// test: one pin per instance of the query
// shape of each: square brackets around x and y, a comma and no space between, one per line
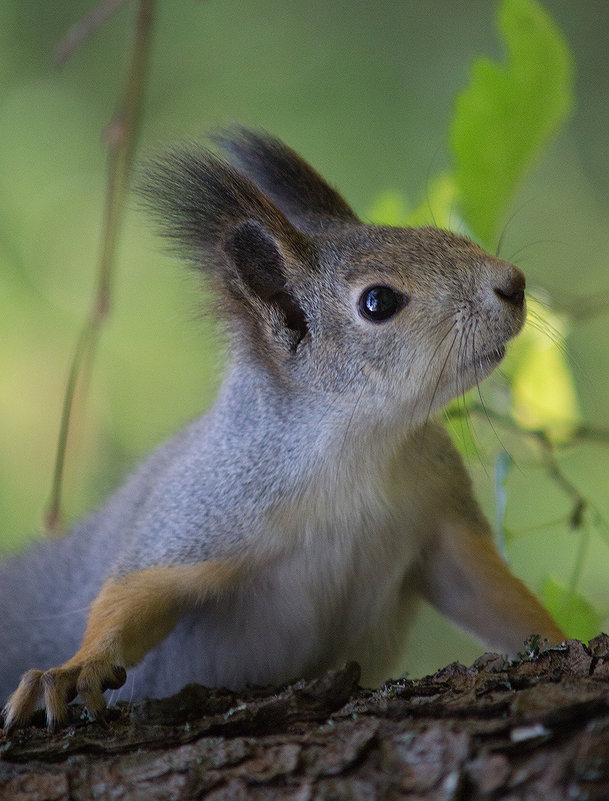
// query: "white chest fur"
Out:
[334,589]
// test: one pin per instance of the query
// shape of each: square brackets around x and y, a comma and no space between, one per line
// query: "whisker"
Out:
[539,323]
[540,296]
[466,418]
[509,221]
[451,211]
[551,333]
[430,362]
[440,321]
[427,183]
[540,318]
[488,417]
[441,373]
[516,253]
[434,393]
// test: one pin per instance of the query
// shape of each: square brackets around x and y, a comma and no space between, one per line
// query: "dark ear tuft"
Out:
[200,199]
[232,232]
[300,192]
[197,197]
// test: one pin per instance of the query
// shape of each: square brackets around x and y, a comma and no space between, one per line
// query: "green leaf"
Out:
[507,113]
[573,613]
[542,385]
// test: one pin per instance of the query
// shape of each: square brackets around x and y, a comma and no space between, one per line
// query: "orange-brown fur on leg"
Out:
[464,577]
[131,615]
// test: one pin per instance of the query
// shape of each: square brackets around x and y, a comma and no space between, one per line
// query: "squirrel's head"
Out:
[403,319]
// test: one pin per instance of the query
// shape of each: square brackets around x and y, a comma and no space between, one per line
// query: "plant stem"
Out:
[121,137]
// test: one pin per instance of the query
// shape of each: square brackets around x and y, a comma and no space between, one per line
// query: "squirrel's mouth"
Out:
[496,355]
[487,360]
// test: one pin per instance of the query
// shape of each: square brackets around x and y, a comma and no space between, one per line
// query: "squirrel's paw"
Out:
[57,687]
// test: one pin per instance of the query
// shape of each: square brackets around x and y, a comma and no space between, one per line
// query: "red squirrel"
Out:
[293,526]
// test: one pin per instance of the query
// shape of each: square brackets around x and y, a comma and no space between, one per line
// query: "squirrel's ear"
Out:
[230,231]
[264,267]
[299,191]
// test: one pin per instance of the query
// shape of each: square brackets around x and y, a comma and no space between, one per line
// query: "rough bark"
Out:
[537,728]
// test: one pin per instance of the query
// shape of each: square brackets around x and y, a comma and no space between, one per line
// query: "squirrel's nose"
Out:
[510,287]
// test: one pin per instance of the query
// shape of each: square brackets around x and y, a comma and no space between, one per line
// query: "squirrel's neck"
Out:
[300,433]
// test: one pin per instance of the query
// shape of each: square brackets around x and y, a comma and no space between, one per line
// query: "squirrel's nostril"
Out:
[515,296]
[511,288]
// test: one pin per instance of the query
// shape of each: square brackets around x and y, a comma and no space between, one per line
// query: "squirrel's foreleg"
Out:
[466,579]
[131,615]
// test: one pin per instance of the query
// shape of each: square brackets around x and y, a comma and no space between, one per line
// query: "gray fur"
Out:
[318,464]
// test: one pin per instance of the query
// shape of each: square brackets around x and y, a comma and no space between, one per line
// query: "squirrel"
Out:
[293,526]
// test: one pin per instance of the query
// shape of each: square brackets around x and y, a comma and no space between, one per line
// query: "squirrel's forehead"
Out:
[396,248]
[407,263]
[356,270]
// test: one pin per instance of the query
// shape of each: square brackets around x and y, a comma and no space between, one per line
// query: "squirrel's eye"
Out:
[379,303]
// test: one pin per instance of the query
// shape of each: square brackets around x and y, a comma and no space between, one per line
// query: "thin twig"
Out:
[581,507]
[578,432]
[84,28]
[578,502]
[121,136]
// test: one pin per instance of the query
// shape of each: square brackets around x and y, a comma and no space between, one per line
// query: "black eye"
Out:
[379,303]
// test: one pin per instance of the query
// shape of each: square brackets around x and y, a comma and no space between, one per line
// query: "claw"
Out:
[22,703]
[59,686]
[94,679]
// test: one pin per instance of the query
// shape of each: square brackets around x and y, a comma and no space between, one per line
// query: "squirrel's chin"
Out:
[479,367]
[492,358]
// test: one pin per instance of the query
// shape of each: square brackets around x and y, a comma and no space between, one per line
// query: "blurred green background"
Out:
[365,91]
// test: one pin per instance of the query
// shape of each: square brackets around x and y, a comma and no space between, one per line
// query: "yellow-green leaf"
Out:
[543,389]
[438,208]
[389,208]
